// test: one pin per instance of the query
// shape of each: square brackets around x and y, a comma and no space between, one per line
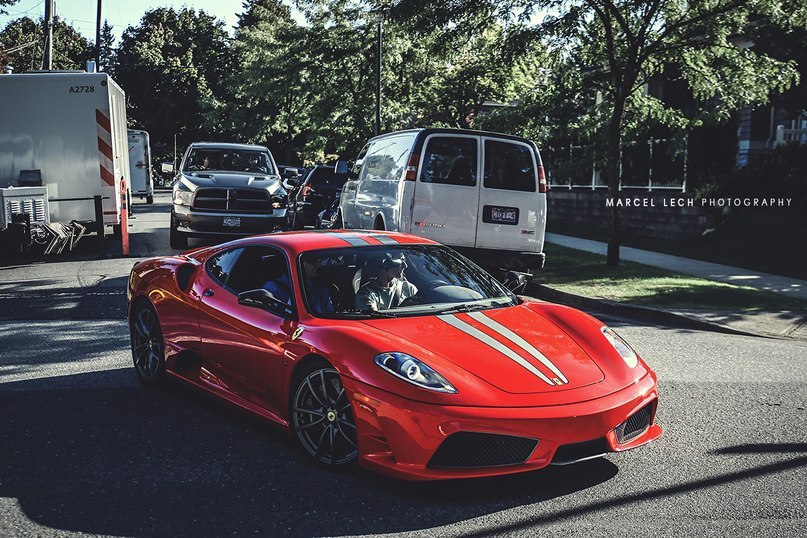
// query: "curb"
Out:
[631,311]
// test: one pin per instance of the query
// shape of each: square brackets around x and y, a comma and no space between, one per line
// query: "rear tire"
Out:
[178,240]
[338,224]
[149,198]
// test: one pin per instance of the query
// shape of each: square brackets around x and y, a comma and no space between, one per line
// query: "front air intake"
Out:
[636,425]
[472,449]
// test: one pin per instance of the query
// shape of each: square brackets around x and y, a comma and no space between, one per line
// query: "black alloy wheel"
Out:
[321,416]
[148,347]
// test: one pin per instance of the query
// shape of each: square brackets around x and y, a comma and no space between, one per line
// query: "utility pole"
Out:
[378,19]
[98,37]
[48,35]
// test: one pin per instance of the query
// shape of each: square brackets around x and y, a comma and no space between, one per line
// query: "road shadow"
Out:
[45,300]
[170,462]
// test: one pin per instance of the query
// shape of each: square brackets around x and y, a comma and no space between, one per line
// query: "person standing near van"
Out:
[389,289]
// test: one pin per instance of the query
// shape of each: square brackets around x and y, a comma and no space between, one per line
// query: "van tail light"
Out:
[541,179]
[412,167]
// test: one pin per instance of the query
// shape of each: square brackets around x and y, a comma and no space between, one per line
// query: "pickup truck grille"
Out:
[233,200]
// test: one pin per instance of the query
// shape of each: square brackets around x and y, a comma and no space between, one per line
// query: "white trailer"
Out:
[66,131]
[142,184]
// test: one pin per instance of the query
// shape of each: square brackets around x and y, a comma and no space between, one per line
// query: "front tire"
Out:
[321,416]
[148,346]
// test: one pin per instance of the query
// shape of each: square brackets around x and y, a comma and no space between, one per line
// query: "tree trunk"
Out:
[612,157]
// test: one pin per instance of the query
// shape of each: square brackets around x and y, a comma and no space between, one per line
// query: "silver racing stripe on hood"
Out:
[470,330]
[519,341]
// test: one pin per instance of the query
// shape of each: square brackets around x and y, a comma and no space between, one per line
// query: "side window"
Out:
[386,158]
[450,160]
[262,267]
[509,166]
[221,265]
[360,160]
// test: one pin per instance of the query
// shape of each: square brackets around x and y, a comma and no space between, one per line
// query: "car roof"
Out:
[302,241]
[227,145]
[424,132]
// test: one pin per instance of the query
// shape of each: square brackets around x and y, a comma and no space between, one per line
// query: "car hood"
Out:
[234,180]
[515,349]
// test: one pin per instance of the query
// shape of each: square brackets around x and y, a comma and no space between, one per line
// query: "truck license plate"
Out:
[232,222]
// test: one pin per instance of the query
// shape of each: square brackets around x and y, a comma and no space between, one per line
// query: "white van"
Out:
[482,193]
[140,165]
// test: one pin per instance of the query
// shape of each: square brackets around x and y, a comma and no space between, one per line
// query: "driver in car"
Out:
[389,289]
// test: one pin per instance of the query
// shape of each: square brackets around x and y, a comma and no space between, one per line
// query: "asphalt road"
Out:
[86,450]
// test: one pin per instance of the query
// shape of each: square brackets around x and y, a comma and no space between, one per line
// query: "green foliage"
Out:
[107,57]
[70,49]
[172,66]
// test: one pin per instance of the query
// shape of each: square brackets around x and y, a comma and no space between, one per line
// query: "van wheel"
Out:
[379,224]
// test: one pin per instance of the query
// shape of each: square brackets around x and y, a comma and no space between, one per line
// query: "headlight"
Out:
[182,195]
[622,347]
[413,371]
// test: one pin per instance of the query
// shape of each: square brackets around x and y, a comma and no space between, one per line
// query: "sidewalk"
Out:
[778,323]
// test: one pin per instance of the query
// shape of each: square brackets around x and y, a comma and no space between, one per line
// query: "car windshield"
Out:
[395,281]
[230,160]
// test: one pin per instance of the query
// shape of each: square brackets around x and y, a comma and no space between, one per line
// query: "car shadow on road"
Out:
[110,457]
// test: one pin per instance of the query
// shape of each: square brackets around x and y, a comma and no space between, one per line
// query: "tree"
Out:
[106,56]
[24,38]
[620,44]
[172,66]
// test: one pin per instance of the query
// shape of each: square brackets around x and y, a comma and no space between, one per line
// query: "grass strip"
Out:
[583,273]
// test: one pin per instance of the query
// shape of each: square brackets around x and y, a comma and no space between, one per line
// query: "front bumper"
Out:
[399,437]
[194,222]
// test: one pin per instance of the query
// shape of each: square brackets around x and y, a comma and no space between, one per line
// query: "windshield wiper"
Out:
[369,313]
[465,307]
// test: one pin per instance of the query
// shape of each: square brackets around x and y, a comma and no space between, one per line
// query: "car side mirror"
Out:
[168,168]
[264,300]
[291,172]
[515,281]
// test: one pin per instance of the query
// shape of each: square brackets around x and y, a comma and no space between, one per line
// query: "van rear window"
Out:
[509,166]
[450,160]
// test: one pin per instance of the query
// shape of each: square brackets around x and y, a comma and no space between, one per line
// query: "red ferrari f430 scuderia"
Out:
[392,351]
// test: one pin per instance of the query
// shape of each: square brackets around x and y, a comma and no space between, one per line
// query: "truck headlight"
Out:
[413,371]
[182,195]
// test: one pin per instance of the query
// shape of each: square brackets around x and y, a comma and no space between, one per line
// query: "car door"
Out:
[512,210]
[446,198]
[347,200]
[243,345]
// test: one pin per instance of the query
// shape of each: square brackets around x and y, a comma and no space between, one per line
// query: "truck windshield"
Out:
[229,160]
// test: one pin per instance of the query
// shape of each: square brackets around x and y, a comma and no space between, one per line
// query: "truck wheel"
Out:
[116,231]
[149,198]
[178,240]
[337,221]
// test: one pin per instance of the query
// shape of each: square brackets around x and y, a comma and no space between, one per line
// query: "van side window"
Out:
[360,160]
[386,158]
[450,160]
[509,166]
